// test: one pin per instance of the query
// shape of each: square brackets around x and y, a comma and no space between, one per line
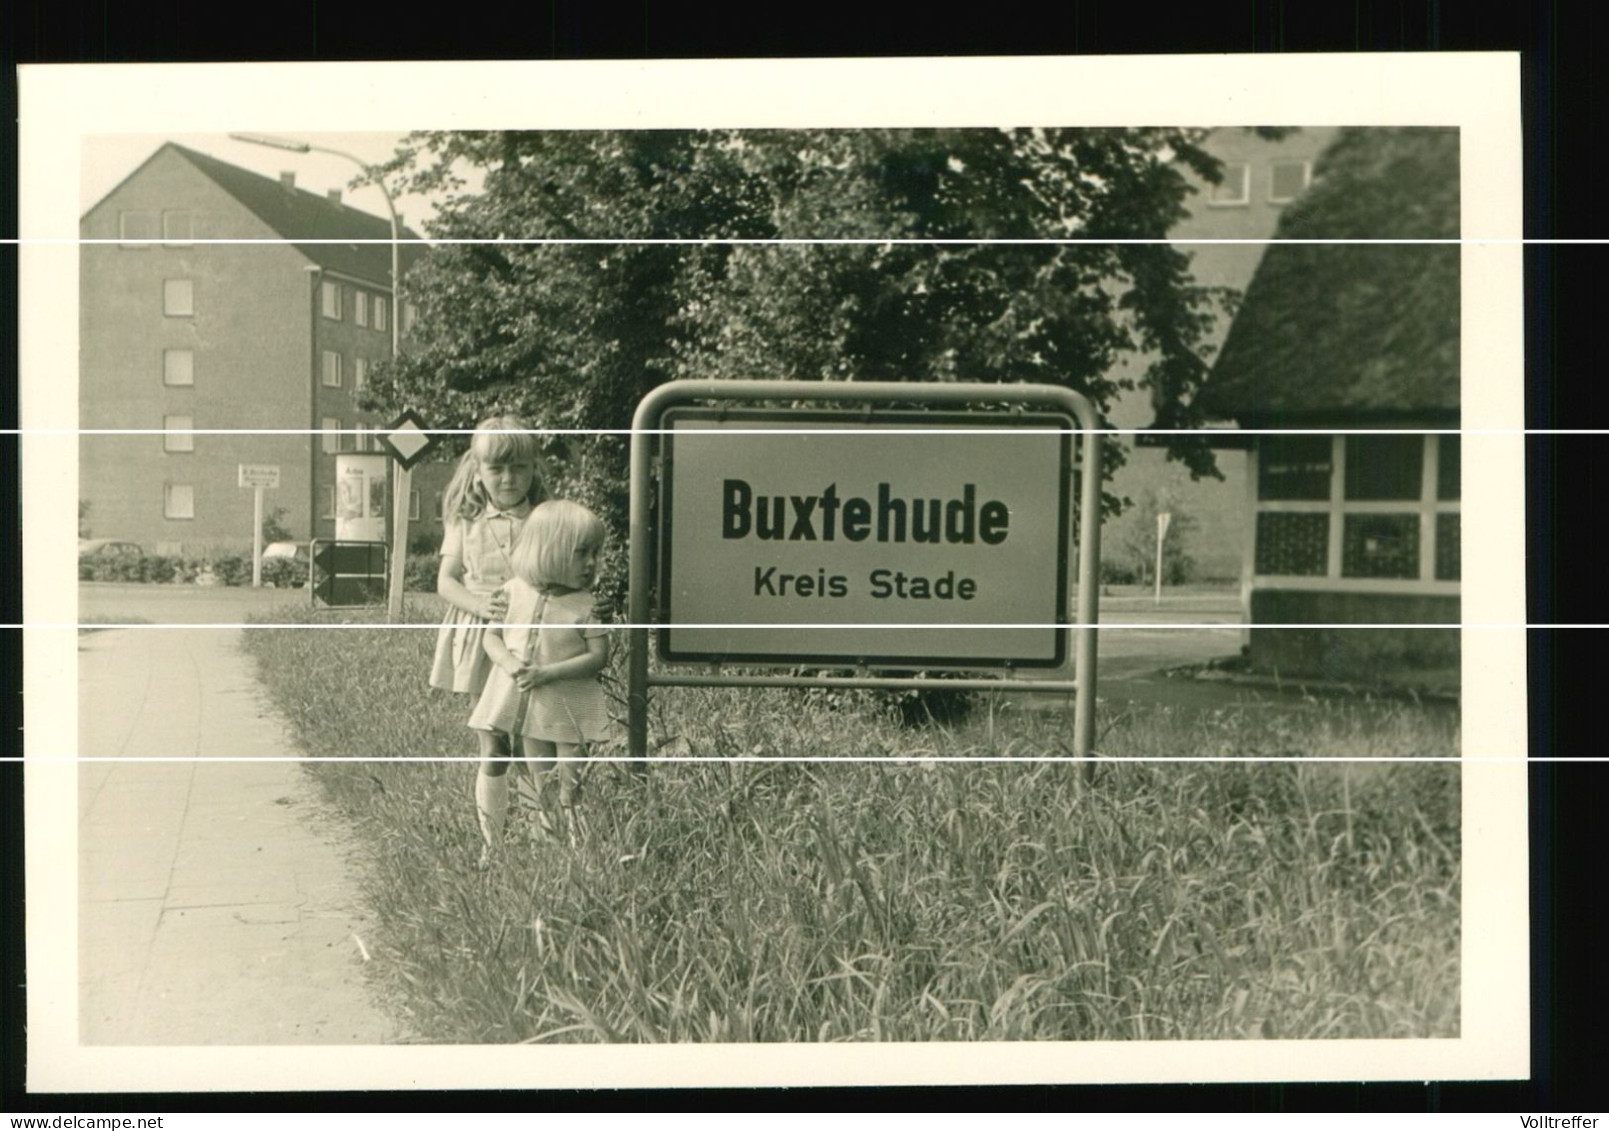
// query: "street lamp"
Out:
[400,477]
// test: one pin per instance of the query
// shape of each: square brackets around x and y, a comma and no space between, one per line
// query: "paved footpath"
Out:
[217,903]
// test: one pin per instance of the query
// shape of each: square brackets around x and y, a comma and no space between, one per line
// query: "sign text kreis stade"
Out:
[827,516]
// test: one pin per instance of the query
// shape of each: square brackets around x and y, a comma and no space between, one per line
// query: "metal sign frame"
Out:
[828,418]
[646,425]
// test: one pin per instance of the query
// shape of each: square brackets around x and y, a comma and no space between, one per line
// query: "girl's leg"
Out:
[539,764]
[491,789]
[569,773]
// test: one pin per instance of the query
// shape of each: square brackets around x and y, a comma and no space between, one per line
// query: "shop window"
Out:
[1293,543]
[1385,468]
[1448,458]
[1380,545]
[1294,468]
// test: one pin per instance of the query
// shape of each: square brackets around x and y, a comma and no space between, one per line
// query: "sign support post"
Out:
[258,476]
[407,438]
[1063,402]
[1162,520]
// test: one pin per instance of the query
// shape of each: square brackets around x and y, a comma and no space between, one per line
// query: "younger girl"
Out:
[485,507]
[549,649]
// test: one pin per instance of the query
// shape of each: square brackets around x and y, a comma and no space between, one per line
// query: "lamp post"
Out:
[400,477]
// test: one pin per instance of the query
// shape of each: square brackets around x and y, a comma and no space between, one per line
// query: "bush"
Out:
[284,573]
[419,572]
[232,569]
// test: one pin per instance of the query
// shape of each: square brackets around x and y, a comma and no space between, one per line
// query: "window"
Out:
[1234,189]
[1361,511]
[380,313]
[178,298]
[1294,467]
[176,229]
[410,315]
[1384,468]
[178,500]
[1287,180]
[360,307]
[328,510]
[413,505]
[330,300]
[138,226]
[438,506]
[330,435]
[331,369]
[360,373]
[361,437]
[178,367]
[176,434]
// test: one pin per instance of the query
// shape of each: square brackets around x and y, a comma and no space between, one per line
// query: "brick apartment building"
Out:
[184,335]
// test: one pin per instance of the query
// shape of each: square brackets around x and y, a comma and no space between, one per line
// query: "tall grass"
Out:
[776,901]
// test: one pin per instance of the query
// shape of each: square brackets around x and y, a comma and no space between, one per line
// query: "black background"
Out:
[1564,140]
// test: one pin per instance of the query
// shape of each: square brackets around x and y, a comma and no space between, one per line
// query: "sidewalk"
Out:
[216,900]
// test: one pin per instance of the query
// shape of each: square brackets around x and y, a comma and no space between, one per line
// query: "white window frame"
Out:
[410,316]
[171,493]
[170,295]
[329,299]
[440,501]
[1214,200]
[167,369]
[1307,179]
[330,435]
[381,314]
[360,374]
[178,433]
[360,434]
[415,500]
[123,219]
[1338,507]
[168,237]
[329,501]
[326,370]
[360,307]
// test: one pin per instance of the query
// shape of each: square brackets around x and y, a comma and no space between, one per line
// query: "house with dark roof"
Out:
[187,336]
[1341,369]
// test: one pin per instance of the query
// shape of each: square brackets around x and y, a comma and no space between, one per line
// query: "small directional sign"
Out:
[259,475]
[408,439]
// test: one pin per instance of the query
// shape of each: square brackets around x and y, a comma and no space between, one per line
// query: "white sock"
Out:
[491,804]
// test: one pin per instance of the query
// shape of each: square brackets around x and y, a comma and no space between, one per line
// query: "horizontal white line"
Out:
[839,430]
[822,241]
[1115,627]
[852,758]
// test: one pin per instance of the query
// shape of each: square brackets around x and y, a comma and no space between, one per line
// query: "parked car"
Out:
[108,549]
[293,551]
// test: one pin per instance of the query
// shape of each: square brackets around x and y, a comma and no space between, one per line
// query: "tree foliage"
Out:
[572,335]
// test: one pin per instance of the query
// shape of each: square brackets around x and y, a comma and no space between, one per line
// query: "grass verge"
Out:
[772,901]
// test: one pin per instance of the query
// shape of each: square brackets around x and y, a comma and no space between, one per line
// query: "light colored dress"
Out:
[486,546]
[571,711]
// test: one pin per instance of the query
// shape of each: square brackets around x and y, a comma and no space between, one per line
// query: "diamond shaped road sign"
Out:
[408,438]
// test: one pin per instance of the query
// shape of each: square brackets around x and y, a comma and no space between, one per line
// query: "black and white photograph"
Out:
[776,560]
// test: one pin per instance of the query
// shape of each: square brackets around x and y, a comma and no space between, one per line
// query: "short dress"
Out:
[571,711]
[486,546]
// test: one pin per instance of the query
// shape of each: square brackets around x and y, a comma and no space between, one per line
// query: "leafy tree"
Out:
[573,335]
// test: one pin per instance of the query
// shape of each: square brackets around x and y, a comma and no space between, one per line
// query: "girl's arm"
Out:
[577,667]
[450,584]
[492,641]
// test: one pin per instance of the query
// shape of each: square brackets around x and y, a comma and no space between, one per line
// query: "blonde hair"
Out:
[497,439]
[546,548]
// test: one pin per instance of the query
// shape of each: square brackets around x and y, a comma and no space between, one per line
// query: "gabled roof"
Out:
[1354,330]
[297,214]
